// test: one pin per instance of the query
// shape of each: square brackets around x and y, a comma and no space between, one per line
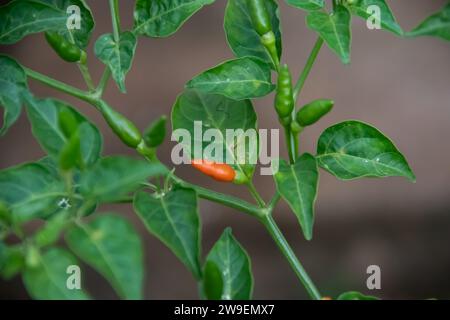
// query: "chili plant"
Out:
[67,188]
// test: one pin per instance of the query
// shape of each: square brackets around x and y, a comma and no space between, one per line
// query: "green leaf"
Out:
[212,281]
[387,19]
[30,190]
[334,29]
[235,267]
[437,25]
[353,295]
[118,56]
[24,17]
[173,218]
[3,254]
[297,184]
[353,149]
[162,18]
[52,229]
[241,35]
[309,5]
[48,280]
[13,261]
[13,88]
[43,115]
[221,113]
[156,132]
[114,177]
[238,79]
[111,245]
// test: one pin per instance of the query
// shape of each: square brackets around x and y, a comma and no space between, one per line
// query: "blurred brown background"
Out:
[399,85]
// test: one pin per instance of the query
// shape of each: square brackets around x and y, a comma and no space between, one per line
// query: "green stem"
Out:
[288,253]
[308,66]
[273,202]
[61,86]
[223,199]
[255,194]
[103,82]
[86,76]
[335,3]
[290,142]
[114,5]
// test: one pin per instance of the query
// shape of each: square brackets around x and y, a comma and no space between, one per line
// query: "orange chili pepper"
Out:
[218,171]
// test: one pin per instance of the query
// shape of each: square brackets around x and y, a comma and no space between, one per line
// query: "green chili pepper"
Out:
[122,127]
[284,98]
[156,132]
[65,49]
[261,22]
[260,16]
[70,155]
[313,111]
[67,122]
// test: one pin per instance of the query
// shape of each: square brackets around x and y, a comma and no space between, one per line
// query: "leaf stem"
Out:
[255,194]
[334,4]
[86,76]
[114,5]
[273,202]
[291,144]
[226,200]
[103,82]
[288,253]
[308,66]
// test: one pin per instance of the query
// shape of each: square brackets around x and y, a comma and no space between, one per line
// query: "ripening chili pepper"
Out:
[313,111]
[284,98]
[261,23]
[218,171]
[122,127]
[65,49]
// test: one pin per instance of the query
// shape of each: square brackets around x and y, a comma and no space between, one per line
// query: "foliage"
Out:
[72,182]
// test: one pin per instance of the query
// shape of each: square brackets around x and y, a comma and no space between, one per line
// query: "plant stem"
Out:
[255,194]
[86,76]
[273,202]
[334,4]
[308,66]
[103,82]
[223,199]
[114,5]
[61,86]
[284,247]
[290,142]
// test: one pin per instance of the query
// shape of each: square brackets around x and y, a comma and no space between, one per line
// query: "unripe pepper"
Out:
[218,171]
[67,122]
[284,98]
[261,23]
[65,49]
[313,111]
[122,127]
[260,16]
